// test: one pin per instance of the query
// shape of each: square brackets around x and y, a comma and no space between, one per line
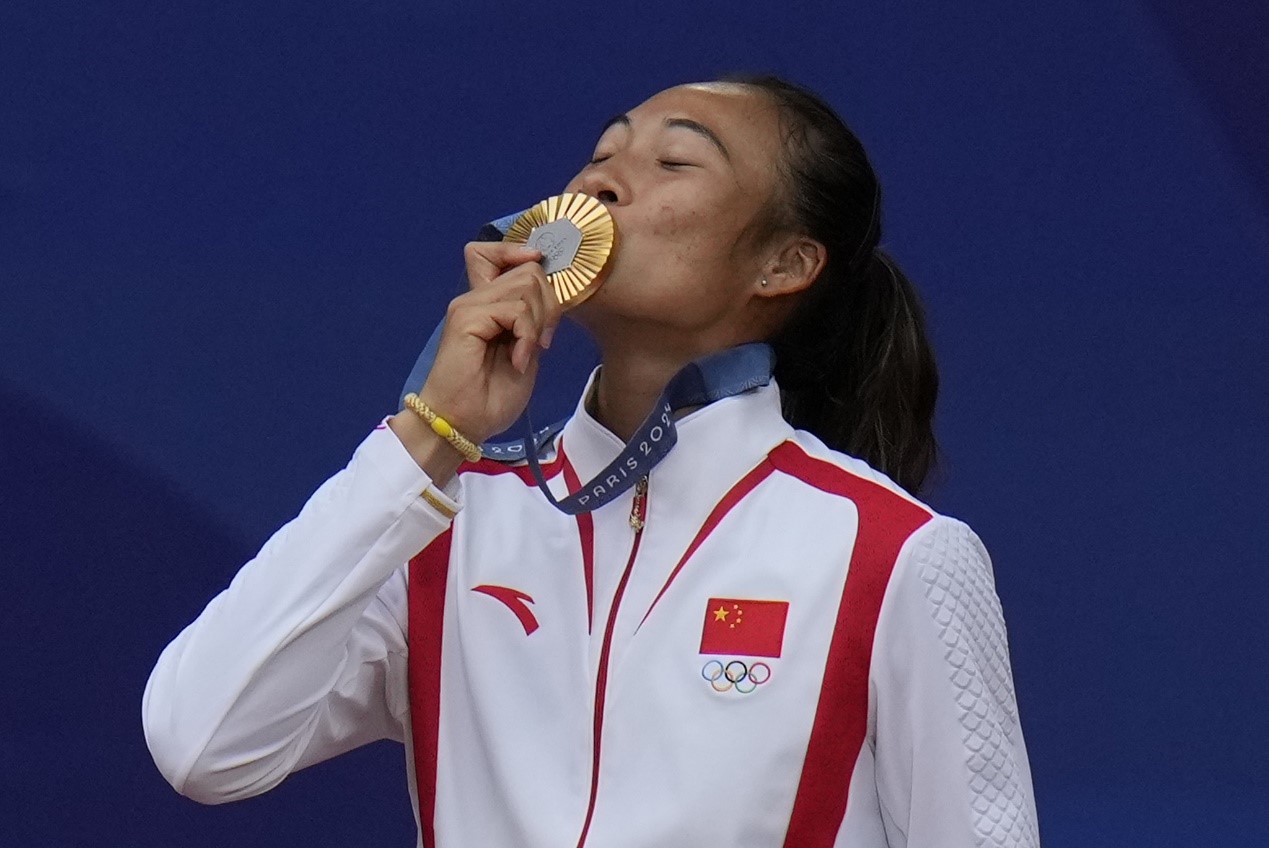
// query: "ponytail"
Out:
[853,362]
[855,368]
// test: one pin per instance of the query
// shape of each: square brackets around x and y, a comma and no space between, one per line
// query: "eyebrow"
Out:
[702,130]
[675,123]
[622,119]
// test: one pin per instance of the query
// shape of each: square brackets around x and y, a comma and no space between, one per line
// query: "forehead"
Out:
[744,119]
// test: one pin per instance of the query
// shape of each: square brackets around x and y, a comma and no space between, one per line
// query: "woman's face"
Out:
[687,176]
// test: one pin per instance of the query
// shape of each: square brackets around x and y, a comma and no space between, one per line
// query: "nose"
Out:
[605,181]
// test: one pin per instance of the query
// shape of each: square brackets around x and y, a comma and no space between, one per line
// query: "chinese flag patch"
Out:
[738,626]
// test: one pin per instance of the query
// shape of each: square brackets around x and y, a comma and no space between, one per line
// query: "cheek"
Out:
[694,231]
[672,220]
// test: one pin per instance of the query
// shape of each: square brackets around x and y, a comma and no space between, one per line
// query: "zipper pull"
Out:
[639,506]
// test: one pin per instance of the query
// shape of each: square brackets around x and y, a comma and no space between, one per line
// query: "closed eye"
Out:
[668,164]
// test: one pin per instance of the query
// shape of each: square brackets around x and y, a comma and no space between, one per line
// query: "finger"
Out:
[528,283]
[487,260]
[526,347]
[524,331]
[554,311]
[493,322]
[534,290]
[488,321]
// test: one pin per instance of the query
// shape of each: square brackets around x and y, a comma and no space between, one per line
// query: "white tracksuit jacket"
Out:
[556,680]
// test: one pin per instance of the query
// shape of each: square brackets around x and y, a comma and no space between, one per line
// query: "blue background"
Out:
[226,229]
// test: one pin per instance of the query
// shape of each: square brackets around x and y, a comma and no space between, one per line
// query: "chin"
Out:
[607,310]
[593,311]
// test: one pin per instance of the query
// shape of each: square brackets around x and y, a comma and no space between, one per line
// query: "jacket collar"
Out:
[717,443]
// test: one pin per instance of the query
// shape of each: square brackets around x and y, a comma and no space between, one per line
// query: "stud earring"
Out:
[764,282]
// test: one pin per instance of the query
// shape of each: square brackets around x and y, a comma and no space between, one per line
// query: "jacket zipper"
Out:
[639,507]
[638,519]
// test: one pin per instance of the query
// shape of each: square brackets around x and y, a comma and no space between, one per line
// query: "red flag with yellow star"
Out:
[743,627]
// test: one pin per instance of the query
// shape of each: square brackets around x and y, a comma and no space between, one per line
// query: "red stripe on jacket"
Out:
[886,521]
[428,573]
[586,533]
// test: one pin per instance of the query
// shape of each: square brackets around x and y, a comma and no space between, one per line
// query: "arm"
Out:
[951,764]
[303,655]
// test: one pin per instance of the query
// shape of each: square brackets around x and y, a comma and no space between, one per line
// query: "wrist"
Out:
[469,449]
[435,456]
[455,406]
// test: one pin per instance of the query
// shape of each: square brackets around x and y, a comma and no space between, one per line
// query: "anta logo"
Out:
[516,601]
[741,627]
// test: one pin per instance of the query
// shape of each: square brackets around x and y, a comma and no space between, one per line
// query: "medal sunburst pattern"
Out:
[582,277]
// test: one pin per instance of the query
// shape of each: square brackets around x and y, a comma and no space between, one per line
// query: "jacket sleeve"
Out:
[302,657]
[951,764]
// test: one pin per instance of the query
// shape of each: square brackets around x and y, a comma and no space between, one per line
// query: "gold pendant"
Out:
[577,237]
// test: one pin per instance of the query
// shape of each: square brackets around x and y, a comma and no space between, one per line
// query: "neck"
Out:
[629,384]
[639,358]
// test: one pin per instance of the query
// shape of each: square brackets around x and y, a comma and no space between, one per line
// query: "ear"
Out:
[796,263]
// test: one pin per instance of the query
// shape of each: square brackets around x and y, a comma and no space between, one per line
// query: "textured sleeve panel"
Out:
[952,763]
[961,591]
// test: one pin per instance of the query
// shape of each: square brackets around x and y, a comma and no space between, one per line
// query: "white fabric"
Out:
[304,656]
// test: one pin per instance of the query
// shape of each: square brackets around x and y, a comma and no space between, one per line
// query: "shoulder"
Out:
[878,498]
[944,578]
[936,547]
[941,615]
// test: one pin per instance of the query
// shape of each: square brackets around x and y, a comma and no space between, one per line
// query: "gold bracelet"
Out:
[469,449]
[436,503]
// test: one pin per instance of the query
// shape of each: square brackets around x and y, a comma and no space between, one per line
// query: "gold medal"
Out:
[577,238]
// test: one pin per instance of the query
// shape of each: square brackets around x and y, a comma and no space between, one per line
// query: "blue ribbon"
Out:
[714,377]
[701,382]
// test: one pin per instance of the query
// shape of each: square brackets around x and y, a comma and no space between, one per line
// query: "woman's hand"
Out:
[487,361]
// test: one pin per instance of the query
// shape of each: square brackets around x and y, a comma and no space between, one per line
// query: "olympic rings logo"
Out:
[735,674]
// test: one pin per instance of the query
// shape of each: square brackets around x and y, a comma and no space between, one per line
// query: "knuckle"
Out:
[521,277]
[533,288]
[471,250]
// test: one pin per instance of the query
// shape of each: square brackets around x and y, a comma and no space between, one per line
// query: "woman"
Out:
[765,641]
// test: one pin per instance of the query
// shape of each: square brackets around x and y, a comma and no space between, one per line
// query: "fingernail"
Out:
[545,339]
[525,250]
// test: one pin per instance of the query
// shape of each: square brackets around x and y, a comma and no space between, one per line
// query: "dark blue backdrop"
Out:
[227,227]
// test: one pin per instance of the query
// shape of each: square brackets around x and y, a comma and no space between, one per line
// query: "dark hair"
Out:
[853,362]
